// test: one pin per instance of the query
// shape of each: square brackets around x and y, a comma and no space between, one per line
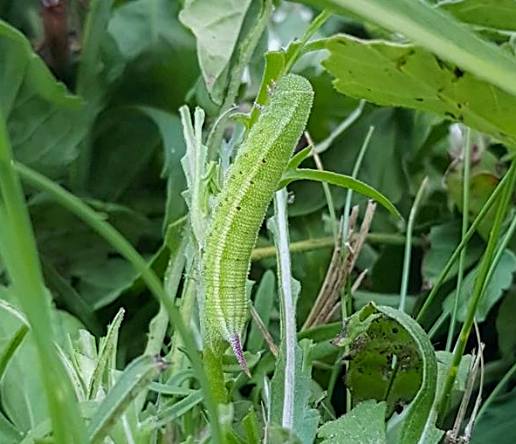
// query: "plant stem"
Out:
[465,216]
[317,22]
[349,194]
[289,339]
[212,360]
[328,242]
[478,289]
[24,269]
[446,269]
[408,244]
[119,243]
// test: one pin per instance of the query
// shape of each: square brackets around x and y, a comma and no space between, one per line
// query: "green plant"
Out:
[129,258]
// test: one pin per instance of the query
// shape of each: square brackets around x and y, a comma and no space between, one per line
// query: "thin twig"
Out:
[263,330]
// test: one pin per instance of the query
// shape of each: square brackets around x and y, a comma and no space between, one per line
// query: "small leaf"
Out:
[500,281]
[364,424]
[135,378]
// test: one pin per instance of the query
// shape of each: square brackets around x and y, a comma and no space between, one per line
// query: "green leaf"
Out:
[173,144]
[506,326]
[391,74]
[364,424]
[43,119]
[342,181]
[8,433]
[375,335]
[135,378]
[501,281]
[173,410]
[481,186]
[263,303]
[216,25]
[443,241]
[105,365]
[496,14]
[306,419]
[497,424]
[437,32]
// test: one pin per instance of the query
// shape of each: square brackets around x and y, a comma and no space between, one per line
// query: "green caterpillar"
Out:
[252,181]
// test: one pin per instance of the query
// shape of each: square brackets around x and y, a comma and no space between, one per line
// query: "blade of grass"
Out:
[471,231]
[478,289]
[24,269]
[120,244]
[465,216]
[408,244]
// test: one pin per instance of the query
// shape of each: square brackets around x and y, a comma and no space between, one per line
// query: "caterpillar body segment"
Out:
[253,179]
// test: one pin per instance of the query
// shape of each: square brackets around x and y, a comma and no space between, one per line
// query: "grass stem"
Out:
[465,216]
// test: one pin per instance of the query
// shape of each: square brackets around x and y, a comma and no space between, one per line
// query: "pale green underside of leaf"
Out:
[391,74]
[216,25]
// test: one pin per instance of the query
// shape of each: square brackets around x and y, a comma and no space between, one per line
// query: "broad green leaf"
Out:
[501,281]
[173,144]
[496,14]
[339,180]
[391,74]
[141,24]
[216,25]
[134,379]
[364,424]
[438,32]
[8,433]
[506,326]
[392,360]
[497,423]
[43,119]
[443,241]
[482,185]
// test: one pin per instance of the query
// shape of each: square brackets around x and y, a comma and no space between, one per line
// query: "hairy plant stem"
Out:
[288,331]
[478,289]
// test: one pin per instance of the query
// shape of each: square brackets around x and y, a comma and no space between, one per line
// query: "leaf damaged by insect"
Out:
[391,359]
